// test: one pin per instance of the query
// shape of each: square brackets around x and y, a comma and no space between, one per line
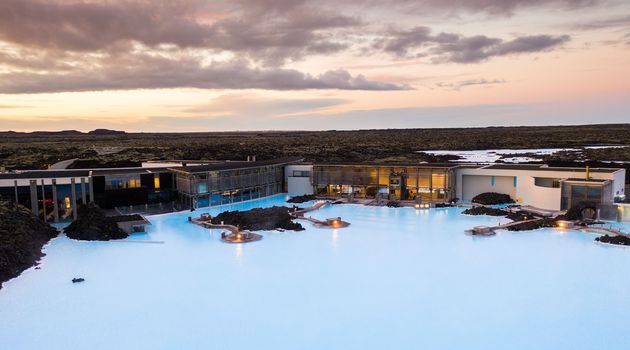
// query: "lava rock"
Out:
[577,211]
[93,225]
[302,199]
[491,198]
[393,204]
[22,236]
[485,211]
[444,205]
[618,240]
[260,219]
[533,225]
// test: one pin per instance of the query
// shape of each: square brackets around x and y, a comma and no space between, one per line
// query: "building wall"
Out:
[476,184]
[619,183]
[299,179]
[527,192]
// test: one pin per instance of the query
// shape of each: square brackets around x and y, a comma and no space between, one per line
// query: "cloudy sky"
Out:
[205,65]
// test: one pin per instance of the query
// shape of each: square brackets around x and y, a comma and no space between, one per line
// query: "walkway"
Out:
[489,231]
[64,164]
[542,212]
[235,235]
[601,230]
[328,223]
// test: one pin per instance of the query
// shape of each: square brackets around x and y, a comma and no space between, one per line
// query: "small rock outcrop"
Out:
[22,236]
[491,198]
[578,211]
[93,225]
[485,211]
[618,240]
[302,199]
[259,219]
[533,225]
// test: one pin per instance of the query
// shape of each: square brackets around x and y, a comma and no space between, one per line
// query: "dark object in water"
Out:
[394,204]
[491,198]
[618,240]
[78,280]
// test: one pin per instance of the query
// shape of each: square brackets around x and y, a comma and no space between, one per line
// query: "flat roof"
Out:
[415,165]
[44,174]
[135,170]
[235,165]
[544,167]
[573,179]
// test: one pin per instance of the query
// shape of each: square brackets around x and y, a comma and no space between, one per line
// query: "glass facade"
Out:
[396,182]
[215,187]
[574,193]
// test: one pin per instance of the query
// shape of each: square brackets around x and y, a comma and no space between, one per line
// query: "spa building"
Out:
[55,194]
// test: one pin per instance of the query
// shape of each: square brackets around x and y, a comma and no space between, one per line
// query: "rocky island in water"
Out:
[22,236]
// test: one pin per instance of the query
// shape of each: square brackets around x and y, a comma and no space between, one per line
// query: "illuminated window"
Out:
[156,181]
[67,202]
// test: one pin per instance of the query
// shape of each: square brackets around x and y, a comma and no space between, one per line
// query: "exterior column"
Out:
[34,204]
[16,192]
[44,200]
[55,204]
[431,185]
[83,194]
[73,199]
[378,181]
[91,188]
[418,199]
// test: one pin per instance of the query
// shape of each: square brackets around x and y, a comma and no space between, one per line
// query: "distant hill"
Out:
[105,132]
[57,133]
[62,133]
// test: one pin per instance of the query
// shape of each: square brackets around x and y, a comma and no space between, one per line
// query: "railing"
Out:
[148,209]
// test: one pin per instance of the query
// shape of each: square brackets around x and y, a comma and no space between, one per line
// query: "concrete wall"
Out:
[476,184]
[526,190]
[619,183]
[298,185]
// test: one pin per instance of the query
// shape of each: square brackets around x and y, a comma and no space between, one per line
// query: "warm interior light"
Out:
[156,182]
[67,202]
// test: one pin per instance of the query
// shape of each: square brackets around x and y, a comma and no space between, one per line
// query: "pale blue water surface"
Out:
[394,279]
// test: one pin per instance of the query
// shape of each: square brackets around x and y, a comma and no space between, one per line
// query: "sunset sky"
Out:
[202,65]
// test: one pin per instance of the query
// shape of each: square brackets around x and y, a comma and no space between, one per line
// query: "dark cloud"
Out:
[450,47]
[86,26]
[149,72]
[499,7]
[266,32]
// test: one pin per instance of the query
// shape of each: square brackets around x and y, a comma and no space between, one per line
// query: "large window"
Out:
[301,173]
[547,182]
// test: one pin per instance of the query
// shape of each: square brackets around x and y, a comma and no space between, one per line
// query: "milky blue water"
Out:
[394,279]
